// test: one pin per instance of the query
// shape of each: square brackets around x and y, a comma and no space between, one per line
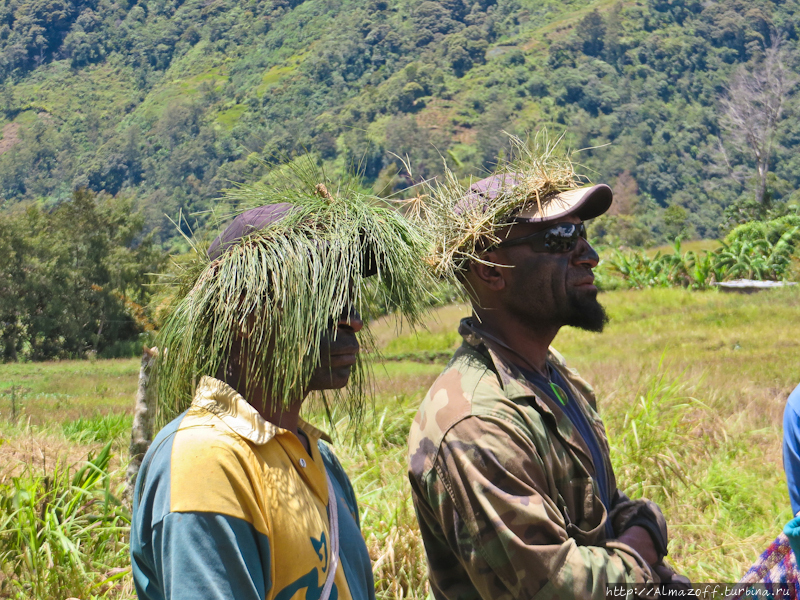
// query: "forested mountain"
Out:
[168,102]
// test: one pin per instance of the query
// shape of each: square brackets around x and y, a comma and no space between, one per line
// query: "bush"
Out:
[772,230]
[737,258]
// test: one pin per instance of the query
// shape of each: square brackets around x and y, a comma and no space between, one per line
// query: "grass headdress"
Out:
[464,219]
[278,289]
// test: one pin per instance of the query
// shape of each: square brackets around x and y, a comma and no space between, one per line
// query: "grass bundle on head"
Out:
[462,222]
[277,292]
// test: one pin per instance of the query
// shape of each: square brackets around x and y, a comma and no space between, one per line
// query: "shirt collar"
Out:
[220,399]
[516,386]
[514,383]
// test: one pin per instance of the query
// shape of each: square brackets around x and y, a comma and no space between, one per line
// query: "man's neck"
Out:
[521,343]
[287,418]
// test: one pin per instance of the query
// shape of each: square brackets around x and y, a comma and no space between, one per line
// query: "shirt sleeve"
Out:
[486,501]
[791,449]
[194,534]
[626,513]
[209,556]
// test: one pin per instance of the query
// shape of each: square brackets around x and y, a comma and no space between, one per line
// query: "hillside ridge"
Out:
[171,102]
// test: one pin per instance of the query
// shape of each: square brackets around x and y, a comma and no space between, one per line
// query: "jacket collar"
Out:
[514,383]
[220,399]
[517,387]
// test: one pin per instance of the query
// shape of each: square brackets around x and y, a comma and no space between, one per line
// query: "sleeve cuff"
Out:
[659,542]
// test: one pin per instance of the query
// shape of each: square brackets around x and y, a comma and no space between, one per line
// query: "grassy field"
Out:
[691,386]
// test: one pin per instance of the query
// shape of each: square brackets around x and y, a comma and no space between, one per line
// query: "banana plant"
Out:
[742,258]
[781,254]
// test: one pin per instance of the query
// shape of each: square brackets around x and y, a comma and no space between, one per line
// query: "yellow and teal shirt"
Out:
[228,506]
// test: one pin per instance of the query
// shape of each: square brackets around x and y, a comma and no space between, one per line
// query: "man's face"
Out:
[338,353]
[551,289]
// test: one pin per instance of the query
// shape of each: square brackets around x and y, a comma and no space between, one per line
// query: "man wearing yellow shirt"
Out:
[239,498]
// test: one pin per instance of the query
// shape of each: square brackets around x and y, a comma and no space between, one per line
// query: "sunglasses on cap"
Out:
[561,237]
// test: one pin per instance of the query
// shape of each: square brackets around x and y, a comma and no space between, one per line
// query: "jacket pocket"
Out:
[584,511]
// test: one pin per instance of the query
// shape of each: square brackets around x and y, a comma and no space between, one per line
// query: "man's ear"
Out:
[490,276]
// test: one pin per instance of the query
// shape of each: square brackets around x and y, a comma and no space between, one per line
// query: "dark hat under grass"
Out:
[275,280]
[538,183]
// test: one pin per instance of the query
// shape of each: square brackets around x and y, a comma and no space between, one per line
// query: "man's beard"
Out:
[586,313]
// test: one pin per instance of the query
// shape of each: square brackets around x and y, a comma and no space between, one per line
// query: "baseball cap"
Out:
[246,224]
[255,219]
[586,202]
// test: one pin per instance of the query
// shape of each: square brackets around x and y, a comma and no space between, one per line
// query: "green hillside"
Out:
[169,102]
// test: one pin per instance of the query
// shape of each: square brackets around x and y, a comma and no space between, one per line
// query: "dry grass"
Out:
[460,225]
[742,350]
[703,440]
[39,451]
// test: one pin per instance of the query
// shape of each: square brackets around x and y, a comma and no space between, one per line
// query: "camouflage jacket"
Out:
[504,490]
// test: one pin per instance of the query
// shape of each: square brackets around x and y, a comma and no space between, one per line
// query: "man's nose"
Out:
[586,255]
[350,319]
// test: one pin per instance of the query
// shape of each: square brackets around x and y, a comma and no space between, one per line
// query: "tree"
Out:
[592,32]
[753,107]
[74,279]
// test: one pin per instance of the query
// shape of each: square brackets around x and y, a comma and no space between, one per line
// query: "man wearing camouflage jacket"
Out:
[508,459]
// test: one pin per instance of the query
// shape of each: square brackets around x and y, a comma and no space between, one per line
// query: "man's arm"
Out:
[208,556]
[487,501]
[629,517]
[641,525]
[186,542]
[639,539]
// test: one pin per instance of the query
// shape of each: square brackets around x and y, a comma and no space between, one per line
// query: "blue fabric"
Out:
[792,531]
[190,556]
[791,447]
[579,421]
[210,556]
[150,504]
[352,549]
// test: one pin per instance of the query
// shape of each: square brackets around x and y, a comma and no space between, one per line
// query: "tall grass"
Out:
[723,498]
[99,428]
[64,533]
[650,450]
[377,464]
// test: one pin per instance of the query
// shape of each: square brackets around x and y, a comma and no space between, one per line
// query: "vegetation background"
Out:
[167,102]
[691,386]
[122,122]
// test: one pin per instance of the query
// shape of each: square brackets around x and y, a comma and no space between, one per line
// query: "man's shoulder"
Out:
[200,437]
[198,433]
[468,387]
[197,441]
[794,400]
